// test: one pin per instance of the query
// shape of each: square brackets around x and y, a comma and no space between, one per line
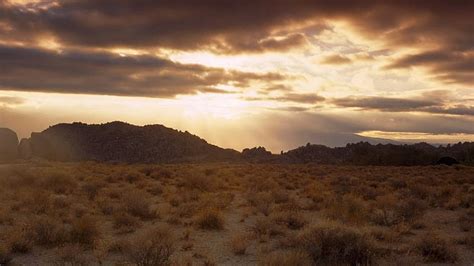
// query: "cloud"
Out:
[449,66]
[336,60]
[186,25]
[382,103]
[440,33]
[454,110]
[247,25]
[433,105]
[28,69]
[9,100]
[303,98]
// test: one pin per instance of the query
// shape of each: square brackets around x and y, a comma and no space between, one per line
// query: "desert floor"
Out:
[235,214]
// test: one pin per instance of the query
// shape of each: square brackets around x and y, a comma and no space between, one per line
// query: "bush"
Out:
[152,248]
[390,210]
[198,181]
[19,242]
[331,244]
[210,219]
[265,228]
[48,231]
[466,222]
[139,205]
[262,201]
[125,223]
[347,209]
[60,182]
[239,244]
[435,249]
[291,219]
[85,231]
[5,256]
[71,255]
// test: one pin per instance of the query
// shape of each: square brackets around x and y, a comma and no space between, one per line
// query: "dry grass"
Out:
[71,254]
[286,257]
[239,244]
[334,244]
[210,219]
[433,248]
[85,231]
[234,213]
[5,255]
[138,204]
[152,248]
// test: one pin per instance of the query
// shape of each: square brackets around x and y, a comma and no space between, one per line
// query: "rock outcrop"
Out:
[24,149]
[364,153]
[8,144]
[122,142]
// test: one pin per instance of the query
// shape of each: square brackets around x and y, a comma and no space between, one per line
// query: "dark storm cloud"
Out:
[433,105]
[110,74]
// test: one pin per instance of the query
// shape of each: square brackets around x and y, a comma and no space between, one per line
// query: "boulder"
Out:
[8,144]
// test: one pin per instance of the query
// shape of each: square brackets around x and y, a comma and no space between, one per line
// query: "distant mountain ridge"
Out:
[122,142]
[364,153]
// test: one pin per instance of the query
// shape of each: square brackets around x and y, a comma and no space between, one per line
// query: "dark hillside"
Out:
[123,142]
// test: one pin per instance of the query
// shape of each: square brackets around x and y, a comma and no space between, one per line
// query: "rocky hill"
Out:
[364,153]
[122,142]
[8,145]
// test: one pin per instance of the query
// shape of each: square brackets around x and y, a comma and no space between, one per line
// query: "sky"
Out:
[243,73]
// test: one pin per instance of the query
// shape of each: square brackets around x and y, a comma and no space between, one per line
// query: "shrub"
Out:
[132,176]
[331,244]
[85,231]
[390,210]
[5,256]
[210,219]
[435,249]
[59,182]
[265,227]
[125,223]
[19,241]
[48,231]
[262,201]
[291,219]
[286,257]
[91,190]
[466,222]
[139,205]
[239,244]
[153,248]
[348,209]
[198,181]
[71,254]
[280,196]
